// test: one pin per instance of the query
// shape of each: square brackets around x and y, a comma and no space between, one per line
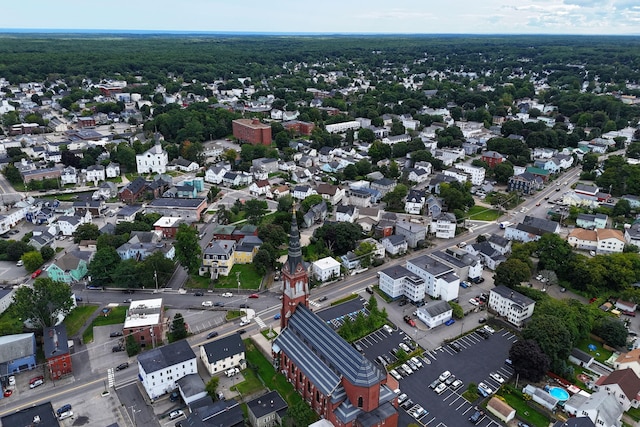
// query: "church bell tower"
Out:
[295,279]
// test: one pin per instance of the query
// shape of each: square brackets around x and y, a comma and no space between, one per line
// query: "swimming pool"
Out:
[559,393]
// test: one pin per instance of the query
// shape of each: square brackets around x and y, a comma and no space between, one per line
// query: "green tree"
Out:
[132,346]
[458,312]
[364,251]
[395,198]
[12,174]
[554,252]
[87,231]
[187,248]
[47,253]
[212,387]
[589,162]
[622,208]
[300,414]
[553,337]
[528,360]
[503,172]
[512,273]
[310,201]
[255,209]
[350,172]
[339,237]
[262,261]
[366,135]
[104,262]
[15,250]
[178,328]
[126,156]
[32,261]
[126,274]
[611,330]
[285,203]
[43,302]
[379,151]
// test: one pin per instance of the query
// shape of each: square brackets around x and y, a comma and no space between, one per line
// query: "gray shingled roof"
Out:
[165,356]
[224,347]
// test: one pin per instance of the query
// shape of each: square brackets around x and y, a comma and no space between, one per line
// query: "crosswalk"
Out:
[315,304]
[260,322]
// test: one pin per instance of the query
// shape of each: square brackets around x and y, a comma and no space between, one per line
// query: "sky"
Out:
[597,17]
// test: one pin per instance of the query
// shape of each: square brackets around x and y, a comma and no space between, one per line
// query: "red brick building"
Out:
[56,351]
[85,122]
[338,382]
[145,321]
[252,131]
[301,128]
[492,158]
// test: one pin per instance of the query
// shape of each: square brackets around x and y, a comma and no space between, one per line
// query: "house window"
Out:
[308,386]
[360,402]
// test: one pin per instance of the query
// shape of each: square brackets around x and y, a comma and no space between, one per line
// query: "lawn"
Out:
[634,413]
[345,299]
[482,213]
[251,383]
[515,399]
[198,282]
[115,316]
[600,354]
[233,314]
[249,278]
[77,317]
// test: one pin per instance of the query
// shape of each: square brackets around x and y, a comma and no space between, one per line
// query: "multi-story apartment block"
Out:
[511,305]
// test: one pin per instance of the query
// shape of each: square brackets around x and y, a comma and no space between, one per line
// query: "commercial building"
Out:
[145,321]
[251,131]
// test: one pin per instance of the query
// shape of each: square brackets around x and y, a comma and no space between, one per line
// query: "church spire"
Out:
[294,259]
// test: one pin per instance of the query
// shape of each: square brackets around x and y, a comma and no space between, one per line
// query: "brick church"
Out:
[339,383]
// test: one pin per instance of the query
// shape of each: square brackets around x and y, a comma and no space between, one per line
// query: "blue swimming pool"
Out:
[559,393]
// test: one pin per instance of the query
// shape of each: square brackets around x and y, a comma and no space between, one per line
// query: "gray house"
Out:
[413,233]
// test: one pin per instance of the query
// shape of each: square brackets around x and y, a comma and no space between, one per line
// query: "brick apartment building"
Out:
[252,131]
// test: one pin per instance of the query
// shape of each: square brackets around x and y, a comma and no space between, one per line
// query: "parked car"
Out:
[36,382]
[36,273]
[464,284]
[402,398]
[407,404]
[407,369]
[450,380]
[484,389]
[369,290]
[176,414]
[474,301]
[65,415]
[218,304]
[212,334]
[117,348]
[440,388]
[8,392]
[435,383]
[497,377]
[227,295]
[115,334]
[20,263]
[199,294]
[63,408]
[456,384]
[122,366]
[174,396]
[455,346]
[12,380]
[476,416]
[416,361]
[443,376]
[629,313]
[254,296]
[404,347]
[450,322]
[395,374]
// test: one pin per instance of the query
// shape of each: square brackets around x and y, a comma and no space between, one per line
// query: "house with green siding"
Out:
[70,268]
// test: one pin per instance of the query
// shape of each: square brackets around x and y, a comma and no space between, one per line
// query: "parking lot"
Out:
[474,362]
[384,344]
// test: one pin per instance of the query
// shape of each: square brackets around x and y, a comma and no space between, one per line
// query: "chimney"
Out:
[255,122]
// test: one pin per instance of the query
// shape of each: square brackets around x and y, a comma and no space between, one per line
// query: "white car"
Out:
[407,369]
[441,388]
[486,388]
[395,374]
[402,398]
[207,303]
[176,414]
[65,415]
[12,380]
[496,376]
[443,376]
[417,362]
[474,301]
[227,295]
[404,347]
[244,322]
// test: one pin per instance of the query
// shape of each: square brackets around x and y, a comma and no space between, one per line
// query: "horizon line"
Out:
[279,33]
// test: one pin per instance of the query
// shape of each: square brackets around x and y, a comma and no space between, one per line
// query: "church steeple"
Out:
[295,280]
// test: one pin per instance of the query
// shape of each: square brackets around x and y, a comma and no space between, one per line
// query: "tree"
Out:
[262,261]
[339,237]
[32,261]
[132,346]
[44,302]
[512,273]
[364,251]
[15,250]
[285,203]
[552,336]
[379,151]
[395,198]
[458,312]
[528,360]
[554,252]
[622,208]
[300,414]
[126,156]
[503,171]
[212,387]
[187,248]
[310,201]
[350,172]
[611,330]
[589,162]
[12,174]
[126,274]
[104,262]
[366,135]
[47,253]
[255,209]
[87,231]
[178,328]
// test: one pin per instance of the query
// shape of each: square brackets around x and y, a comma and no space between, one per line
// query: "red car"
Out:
[254,296]
[8,393]
[629,313]
[36,273]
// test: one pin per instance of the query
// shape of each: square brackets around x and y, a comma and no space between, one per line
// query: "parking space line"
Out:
[456,399]
[430,421]
[464,402]
[448,396]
